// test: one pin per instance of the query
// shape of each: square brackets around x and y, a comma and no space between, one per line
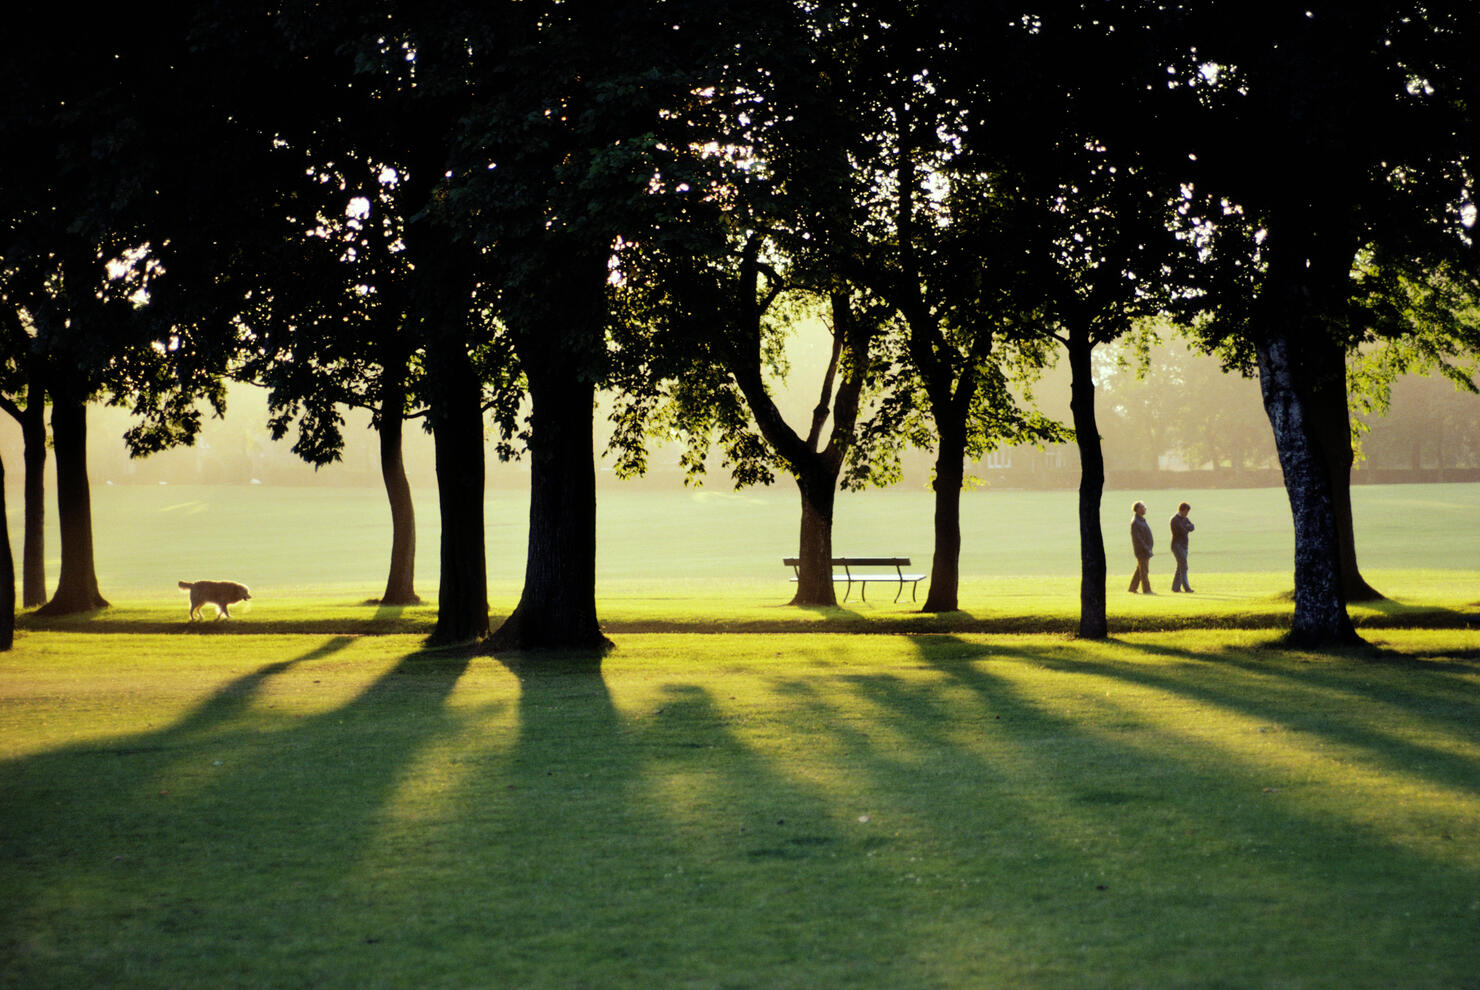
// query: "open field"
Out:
[711,561]
[335,542]
[1163,810]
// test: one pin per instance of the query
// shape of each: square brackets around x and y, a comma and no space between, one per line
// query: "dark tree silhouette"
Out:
[1369,114]
[7,574]
[23,398]
[1059,115]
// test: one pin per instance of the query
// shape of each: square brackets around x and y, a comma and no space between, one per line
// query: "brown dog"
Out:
[217,593]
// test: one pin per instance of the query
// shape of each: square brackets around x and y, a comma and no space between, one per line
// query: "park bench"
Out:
[862,579]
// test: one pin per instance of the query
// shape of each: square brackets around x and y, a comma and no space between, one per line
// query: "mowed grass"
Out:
[1429,599]
[746,794]
[1183,809]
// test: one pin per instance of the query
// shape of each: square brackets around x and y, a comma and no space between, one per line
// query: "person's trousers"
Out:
[1179,580]
[1142,577]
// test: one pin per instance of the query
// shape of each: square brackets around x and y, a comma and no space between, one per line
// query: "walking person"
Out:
[1141,543]
[1181,526]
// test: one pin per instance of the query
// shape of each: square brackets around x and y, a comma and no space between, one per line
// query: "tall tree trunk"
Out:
[7,574]
[1320,606]
[945,566]
[400,588]
[557,608]
[818,488]
[77,587]
[33,549]
[1092,620]
[1323,373]
[457,432]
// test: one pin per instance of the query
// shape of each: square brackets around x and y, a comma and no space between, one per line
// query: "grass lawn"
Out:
[747,794]
[1433,599]
[1187,808]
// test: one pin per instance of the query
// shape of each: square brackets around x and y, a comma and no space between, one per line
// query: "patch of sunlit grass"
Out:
[996,605]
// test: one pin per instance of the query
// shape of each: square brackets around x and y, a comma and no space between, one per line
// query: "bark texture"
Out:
[400,583]
[1322,370]
[77,585]
[818,490]
[457,432]
[945,562]
[7,574]
[1092,614]
[33,549]
[557,608]
[1320,605]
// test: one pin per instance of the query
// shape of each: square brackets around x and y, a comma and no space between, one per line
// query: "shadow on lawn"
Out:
[553,834]
[1366,716]
[1082,817]
[1392,613]
[233,829]
[1374,710]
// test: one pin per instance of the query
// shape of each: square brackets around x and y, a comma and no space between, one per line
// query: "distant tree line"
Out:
[1179,421]
[478,216]
[1171,408]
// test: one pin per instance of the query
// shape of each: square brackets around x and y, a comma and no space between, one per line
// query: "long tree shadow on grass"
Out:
[1046,818]
[656,822]
[238,831]
[1406,717]
[1111,781]
[672,849]
[988,804]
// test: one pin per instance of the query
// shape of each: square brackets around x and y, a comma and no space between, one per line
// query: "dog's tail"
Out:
[186,585]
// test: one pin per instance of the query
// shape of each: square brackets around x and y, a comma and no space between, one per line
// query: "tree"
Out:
[924,208]
[1062,113]
[582,137]
[1367,112]
[727,280]
[418,63]
[23,398]
[86,230]
[7,574]
[1402,380]
[1427,424]
[354,286]
[735,315]
[1169,396]
[333,333]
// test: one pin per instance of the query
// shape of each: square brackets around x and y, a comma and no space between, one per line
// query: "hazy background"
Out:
[236,505]
[1183,412]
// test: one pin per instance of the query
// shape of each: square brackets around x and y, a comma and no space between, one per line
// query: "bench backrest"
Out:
[856,561]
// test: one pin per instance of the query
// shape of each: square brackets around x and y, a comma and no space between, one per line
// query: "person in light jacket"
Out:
[1141,543]
[1181,526]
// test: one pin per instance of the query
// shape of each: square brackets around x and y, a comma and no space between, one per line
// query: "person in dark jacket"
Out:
[1141,542]
[1181,526]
